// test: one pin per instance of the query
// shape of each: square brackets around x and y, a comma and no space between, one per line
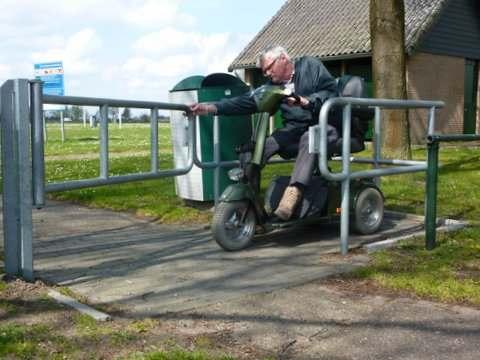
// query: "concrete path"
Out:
[111,257]
[314,321]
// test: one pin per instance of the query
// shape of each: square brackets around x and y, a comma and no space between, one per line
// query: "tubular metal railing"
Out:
[318,144]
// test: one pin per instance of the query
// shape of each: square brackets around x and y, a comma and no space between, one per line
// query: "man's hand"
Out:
[203,109]
[297,101]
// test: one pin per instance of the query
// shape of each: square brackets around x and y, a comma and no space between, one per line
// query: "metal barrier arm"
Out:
[87,101]
[78,184]
[38,145]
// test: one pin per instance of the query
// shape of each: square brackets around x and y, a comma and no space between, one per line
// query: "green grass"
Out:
[451,272]
[458,185]
[41,341]
[180,354]
[39,328]
[25,342]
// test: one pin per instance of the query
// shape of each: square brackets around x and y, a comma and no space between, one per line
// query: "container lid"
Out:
[189,83]
[222,79]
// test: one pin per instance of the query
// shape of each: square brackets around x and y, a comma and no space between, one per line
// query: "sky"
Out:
[127,49]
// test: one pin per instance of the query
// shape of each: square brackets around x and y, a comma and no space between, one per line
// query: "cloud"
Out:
[5,71]
[170,55]
[167,40]
[76,52]
[169,66]
[156,13]
[113,47]
[212,51]
[24,14]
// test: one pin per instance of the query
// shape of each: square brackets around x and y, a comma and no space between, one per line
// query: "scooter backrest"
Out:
[354,86]
[351,86]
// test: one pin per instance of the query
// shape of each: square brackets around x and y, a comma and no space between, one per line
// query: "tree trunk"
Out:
[387,36]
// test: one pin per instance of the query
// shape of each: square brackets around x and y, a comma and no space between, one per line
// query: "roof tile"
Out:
[332,28]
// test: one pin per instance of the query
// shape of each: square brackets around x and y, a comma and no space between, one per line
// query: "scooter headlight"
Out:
[236,174]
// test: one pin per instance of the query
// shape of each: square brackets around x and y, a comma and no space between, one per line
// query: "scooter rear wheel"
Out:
[368,211]
[233,225]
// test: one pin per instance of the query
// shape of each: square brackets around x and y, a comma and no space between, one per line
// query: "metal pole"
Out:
[17,179]
[431,121]
[84,116]
[104,141]
[377,141]
[216,159]
[38,161]
[119,120]
[154,140]
[431,195]
[345,204]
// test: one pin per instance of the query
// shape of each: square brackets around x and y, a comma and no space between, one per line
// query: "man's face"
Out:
[278,69]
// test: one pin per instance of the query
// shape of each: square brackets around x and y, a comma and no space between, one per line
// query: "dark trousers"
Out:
[291,141]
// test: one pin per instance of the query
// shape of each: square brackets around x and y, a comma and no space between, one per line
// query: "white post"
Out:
[91,121]
[44,127]
[62,126]
[84,113]
[119,119]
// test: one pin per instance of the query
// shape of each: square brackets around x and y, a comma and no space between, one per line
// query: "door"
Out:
[470,96]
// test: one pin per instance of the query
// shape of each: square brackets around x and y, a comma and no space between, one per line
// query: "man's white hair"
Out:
[273,52]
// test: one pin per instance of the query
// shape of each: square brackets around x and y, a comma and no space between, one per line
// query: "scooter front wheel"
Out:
[233,225]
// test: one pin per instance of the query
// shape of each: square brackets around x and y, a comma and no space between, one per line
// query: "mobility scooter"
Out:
[240,212]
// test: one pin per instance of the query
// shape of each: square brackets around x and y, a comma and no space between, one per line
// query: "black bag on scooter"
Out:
[313,201]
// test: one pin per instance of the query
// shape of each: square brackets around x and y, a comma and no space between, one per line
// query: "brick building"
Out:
[442,42]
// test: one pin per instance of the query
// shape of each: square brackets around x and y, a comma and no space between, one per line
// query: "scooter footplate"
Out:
[314,199]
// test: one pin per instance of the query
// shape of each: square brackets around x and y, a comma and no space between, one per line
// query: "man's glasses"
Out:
[269,67]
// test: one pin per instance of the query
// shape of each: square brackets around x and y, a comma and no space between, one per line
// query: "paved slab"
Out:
[112,257]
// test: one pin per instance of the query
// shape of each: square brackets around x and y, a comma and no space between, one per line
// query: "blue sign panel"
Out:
[52,76]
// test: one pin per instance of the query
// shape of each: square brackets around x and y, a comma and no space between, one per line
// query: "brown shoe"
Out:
[291,197]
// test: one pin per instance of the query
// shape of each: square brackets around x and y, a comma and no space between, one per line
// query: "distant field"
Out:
[131,138]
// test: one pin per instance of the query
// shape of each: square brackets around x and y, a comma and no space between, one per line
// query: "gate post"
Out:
[17,178]
[431,195]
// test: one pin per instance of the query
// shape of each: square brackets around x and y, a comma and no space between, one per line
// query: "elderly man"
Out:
[308,78]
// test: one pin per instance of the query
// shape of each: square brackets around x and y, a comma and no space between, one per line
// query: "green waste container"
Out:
[234,130]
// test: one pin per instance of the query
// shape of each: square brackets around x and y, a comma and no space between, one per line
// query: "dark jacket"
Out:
[312,80]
